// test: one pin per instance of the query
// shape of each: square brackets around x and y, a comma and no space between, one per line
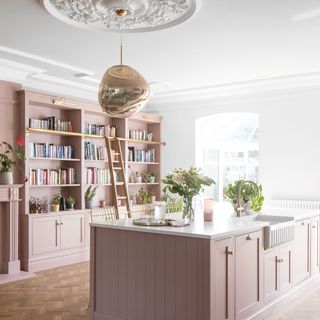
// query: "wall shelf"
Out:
[54,185]
[53,159]
[145,163]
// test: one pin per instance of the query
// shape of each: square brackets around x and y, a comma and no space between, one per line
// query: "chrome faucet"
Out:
[238,207]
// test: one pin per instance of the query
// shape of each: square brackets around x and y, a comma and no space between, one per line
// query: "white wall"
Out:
[289,139]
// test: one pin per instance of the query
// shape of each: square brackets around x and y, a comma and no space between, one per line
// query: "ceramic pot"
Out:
[151,179]
[6,178]
[89,204]
[55,207]
[153,199]
[70,206]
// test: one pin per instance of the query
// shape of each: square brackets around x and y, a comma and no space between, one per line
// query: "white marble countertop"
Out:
[224,224]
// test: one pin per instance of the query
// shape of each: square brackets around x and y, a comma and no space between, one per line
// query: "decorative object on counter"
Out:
[102,203]
[174,205]
[159,210]
[37,205]
[150,177]
[56,202]
[70,202]
[142,197]
[208,209]
[123,91]
[8,156]
[89,195]
[245,195]
[63,206]
[188,183]
[152,196]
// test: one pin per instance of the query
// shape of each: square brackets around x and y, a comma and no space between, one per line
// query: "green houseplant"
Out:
[56,202]
[70,202]
[89,195]
[188,183]
[8,156]
[251,199]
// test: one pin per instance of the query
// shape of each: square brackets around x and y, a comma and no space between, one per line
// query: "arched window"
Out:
[227,149]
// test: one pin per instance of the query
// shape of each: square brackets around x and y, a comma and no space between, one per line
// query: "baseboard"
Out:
[289,300]
[54,262]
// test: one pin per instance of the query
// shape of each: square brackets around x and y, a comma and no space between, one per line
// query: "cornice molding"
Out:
[225,93]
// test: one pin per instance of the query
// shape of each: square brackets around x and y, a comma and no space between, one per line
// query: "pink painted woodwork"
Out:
[249,274]
[72,231]
[223,279]
[301,251]
[144,276]
[277,272]
[9,229]
[315,244]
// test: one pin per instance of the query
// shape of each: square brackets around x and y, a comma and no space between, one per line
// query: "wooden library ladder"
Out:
[114,183]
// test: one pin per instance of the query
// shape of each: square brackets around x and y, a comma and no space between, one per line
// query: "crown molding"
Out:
[225,93]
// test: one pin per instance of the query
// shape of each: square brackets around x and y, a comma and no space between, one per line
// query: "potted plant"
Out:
[56,202]
[70,202]
[250,197]
[151,197]
[187,183]
[150,177]
[8,156]
[89,195]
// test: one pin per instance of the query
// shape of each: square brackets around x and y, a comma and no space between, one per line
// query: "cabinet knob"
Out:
[302,223]
[313,227]
[248,237]
[280,260]
[61,223]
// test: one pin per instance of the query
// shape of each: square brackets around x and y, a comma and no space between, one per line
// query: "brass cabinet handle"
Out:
[280,260]
[248,237]
[231,253]
[313,227]
[302,223]
[61,223]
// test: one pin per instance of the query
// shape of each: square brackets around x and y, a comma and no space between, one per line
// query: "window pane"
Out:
[211,155]
[233,173]
[253,173]
[253,155]
[234,156]
[212,171]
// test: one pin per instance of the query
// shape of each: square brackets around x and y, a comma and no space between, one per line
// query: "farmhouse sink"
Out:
[280,230]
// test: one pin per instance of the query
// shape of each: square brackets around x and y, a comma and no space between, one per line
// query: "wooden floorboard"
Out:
[57,294]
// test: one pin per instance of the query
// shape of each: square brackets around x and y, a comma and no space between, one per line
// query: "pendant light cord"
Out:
[121,46]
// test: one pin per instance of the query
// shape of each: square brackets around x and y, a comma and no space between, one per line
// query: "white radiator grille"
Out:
[295,204]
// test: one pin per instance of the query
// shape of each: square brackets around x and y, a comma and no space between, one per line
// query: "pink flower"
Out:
[20,141]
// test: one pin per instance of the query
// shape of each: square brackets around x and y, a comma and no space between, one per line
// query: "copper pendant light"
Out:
[123,91]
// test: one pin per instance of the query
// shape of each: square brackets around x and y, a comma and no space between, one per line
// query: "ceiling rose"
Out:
[142,15]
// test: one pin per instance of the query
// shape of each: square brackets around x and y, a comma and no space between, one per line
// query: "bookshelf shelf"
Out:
[144,184]
[53,159]
[53,132]
[145,163]
[54,185]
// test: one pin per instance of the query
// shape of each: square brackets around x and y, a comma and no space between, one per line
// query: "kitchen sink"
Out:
[280,230]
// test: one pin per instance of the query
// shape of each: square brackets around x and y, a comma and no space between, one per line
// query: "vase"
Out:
[89,204]
[70,206]
[188,210]
[6,177]
[246,206]
[55,207]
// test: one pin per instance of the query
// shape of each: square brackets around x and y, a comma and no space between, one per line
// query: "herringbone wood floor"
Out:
[57,294]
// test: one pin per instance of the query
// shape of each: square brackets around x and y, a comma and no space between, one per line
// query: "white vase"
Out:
[6,178]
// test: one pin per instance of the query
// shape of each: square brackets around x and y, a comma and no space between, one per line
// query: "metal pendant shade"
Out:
[123,91]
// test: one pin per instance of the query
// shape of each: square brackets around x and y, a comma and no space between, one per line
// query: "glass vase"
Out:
[188,210]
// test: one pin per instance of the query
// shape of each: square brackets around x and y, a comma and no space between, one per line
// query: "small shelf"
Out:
[143,184]
[54,132]
[99,161]
[53,159]
[145,142]
[146,163]
[105,185]
[54,185]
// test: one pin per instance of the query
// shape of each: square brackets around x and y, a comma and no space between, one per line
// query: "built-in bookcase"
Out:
[38,106]
[59,238]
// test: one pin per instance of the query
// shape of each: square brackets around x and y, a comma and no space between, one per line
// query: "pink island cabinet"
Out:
[158,276]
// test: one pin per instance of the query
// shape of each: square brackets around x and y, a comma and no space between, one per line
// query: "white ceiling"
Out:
[227,41]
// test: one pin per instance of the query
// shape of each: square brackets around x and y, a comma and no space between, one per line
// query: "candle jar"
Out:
[208,209]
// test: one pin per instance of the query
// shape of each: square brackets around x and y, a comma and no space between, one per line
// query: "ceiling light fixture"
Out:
[123,91]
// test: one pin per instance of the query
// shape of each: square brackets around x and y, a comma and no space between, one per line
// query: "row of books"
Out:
[137,155]
[102,130]
[100,176]
[94,152]
[39,177]
[50,123]
[140,135]
[45,150]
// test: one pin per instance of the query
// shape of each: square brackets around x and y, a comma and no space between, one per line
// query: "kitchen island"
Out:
[205,271]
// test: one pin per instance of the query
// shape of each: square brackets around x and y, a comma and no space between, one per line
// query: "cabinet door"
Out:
[224,279]
[45,235]
[249,274]
[72,231]
[301,261]
[314,245]
[271,275]
[285,268]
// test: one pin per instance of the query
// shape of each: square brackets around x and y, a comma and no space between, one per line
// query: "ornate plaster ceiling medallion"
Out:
[142,15]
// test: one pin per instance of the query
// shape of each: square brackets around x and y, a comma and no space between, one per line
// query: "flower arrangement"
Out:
[8,156]
[188,183]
